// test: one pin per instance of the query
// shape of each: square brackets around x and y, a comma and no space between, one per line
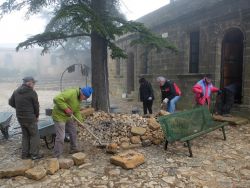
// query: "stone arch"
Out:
[232,48]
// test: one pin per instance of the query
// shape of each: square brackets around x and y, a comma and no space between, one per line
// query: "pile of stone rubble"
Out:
[125,130]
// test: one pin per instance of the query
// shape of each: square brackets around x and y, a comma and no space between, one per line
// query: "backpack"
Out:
[177,89]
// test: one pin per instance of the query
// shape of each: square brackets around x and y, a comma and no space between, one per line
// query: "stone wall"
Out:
[246,58]
[212,21]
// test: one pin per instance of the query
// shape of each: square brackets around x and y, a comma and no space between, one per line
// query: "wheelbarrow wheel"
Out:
[5,132]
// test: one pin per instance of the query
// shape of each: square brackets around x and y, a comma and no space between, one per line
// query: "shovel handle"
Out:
[74,117]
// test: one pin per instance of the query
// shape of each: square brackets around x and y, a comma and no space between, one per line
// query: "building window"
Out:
[194,52]
[118,67]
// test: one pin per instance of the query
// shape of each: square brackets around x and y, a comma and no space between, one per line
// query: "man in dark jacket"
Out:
[226,99]
[25,100]
[146,95]
[169,95]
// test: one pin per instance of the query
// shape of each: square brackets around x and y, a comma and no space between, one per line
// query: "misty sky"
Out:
[14,28]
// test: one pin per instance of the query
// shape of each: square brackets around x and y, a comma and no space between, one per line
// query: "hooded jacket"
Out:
[203,92]
[25,100]
[69,98]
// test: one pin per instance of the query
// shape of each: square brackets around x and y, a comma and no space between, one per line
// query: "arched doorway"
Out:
[130,73]
[232,60]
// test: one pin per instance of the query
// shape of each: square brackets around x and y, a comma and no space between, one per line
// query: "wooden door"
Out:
[232,61]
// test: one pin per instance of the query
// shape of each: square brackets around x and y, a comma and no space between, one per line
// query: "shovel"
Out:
[101,144]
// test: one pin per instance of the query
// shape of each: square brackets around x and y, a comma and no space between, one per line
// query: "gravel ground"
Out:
[216,163]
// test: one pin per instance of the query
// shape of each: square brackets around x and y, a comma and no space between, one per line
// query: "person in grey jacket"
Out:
[25,100]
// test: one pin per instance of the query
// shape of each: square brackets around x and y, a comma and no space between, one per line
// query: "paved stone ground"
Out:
[216,163]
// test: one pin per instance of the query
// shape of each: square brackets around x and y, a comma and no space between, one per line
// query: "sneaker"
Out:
[66,138]
[35,157]
[72,151]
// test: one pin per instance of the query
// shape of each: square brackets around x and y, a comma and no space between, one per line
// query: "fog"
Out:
[48,67]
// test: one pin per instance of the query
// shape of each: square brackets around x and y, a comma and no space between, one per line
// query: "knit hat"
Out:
[29,79]
[87,91]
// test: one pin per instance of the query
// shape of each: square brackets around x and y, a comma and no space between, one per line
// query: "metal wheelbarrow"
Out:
[47,132]
[5,118]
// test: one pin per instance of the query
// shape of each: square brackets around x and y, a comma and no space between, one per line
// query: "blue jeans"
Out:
[171,104]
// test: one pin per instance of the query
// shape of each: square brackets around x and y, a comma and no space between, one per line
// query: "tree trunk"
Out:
[100,83]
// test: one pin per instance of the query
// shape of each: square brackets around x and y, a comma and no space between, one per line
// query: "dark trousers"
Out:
[147,106]
[228,101]
[225,102]
[30,137]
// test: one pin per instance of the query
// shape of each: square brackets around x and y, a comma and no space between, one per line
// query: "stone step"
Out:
[241,110]
[233,120]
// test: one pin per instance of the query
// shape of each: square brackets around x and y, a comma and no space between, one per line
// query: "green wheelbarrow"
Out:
[5,118]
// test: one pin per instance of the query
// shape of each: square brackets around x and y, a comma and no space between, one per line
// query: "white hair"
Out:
[161,79]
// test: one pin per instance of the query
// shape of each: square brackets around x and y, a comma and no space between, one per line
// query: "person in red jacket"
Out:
[203,90]
[170,93]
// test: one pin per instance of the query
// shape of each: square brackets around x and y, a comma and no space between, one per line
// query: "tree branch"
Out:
[45,38]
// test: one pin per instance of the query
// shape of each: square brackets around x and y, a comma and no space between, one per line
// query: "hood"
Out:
[24,89]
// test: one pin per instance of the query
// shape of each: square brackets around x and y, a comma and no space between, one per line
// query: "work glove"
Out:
[163,106]
[165,100]
[150,98]
[68,111]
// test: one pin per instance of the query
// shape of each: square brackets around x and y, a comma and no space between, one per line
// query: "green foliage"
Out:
[117,52]
[76,18]
[46,40]
[152,41]
[147,38]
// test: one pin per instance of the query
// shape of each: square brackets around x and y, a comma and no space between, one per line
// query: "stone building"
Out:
[212,37]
